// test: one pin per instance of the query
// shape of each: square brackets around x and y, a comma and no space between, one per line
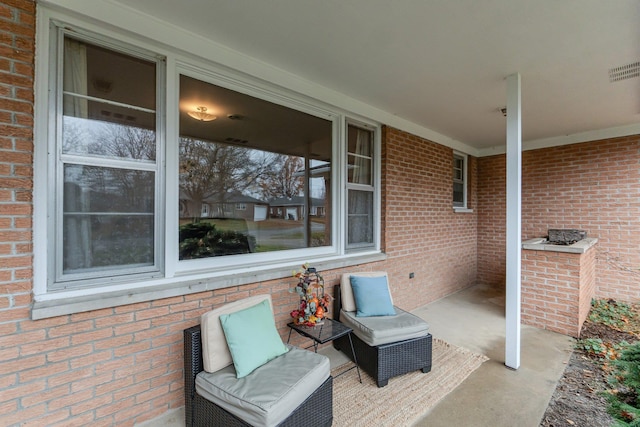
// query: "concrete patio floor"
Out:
[493,395]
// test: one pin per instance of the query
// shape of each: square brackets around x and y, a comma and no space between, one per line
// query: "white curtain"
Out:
[362,166]
[361,202]
[75,78]
[77,225]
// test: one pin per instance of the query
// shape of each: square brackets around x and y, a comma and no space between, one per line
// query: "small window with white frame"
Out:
[459,181]
[360,187]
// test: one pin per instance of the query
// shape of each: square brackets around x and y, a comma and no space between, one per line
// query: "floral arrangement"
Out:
[314,303]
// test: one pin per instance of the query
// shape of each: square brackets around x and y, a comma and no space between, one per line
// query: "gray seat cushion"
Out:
[268,395]
[378,330]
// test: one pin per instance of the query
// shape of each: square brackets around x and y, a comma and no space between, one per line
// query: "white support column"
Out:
[514,233]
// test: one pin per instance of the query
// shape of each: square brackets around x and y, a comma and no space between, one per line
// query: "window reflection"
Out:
[108,217]
[108,115]
[257,179]
[100,138]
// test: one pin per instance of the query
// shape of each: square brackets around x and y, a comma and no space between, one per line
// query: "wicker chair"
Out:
[316,410]
[388,360]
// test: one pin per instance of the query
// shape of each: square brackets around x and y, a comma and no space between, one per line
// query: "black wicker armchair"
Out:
[316,410]
[388,360]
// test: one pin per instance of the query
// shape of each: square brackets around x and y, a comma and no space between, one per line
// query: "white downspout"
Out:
[514,220]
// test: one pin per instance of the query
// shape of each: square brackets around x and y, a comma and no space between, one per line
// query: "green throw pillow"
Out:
[252,337]
[372,296]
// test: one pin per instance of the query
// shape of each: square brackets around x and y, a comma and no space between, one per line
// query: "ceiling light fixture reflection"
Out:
[202,115]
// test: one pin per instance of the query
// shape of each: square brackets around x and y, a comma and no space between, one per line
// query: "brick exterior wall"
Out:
[123,365]
[492,219]
[592,186]
[16,159]
[422,233]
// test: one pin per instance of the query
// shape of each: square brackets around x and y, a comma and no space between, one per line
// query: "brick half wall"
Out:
[557,288]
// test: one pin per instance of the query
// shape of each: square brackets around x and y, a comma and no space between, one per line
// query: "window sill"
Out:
[59,304]
[462,210]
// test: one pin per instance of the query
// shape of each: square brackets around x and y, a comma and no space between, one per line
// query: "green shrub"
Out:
[625,379]
[203,239]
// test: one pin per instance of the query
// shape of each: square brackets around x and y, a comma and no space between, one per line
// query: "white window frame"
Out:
[457,206]
[203,72]
[173,277]
[56,280]
[374,188]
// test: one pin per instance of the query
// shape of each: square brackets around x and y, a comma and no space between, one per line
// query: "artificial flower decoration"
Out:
[314,303]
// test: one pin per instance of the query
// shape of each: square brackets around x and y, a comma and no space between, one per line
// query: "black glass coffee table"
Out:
[328,331]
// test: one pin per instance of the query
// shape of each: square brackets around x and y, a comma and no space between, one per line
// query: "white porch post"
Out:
[514,233]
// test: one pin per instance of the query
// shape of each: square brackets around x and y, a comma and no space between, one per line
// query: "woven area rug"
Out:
[406,398]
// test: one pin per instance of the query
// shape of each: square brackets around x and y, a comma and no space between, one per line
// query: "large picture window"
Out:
[263,170]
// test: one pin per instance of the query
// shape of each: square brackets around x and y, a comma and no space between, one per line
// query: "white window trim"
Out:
[207,72]
[184,277]
[465,181]
[376,171]
[55,278]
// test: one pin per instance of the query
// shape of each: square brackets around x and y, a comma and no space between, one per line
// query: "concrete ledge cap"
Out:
[541,244]
[64,304]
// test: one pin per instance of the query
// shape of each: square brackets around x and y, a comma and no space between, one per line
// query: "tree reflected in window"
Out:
[276,165]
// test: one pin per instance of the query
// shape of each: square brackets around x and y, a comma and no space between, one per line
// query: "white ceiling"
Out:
[442,64]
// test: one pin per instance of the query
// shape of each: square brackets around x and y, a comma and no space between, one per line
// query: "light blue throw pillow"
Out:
[252,337]
[372,296]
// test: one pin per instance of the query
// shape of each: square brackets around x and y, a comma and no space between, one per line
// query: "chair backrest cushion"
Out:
[252,337]
[215,351]
[372,296]
[346,292]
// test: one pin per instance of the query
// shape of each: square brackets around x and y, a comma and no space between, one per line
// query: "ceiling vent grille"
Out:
[624,72]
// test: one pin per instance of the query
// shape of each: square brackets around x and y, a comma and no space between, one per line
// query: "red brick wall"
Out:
[594,186]
[492,218]
[123,365]
[550,289]
[557,289]
[423,234]
[587,284]
[16,159]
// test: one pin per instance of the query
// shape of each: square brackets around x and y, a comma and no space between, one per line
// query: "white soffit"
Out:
[436,69]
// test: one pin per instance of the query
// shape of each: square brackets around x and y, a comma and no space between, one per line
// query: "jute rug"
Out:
[406,398]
